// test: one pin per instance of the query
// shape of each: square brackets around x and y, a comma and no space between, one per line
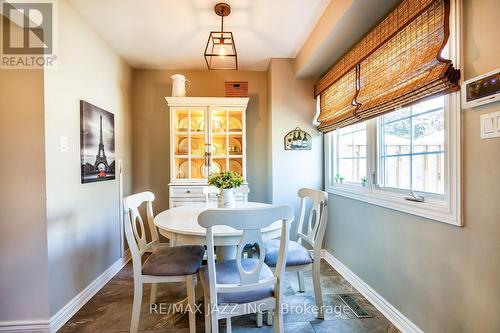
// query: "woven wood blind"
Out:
[397,64]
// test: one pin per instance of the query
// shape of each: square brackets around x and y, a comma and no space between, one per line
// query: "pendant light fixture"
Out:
[220,52]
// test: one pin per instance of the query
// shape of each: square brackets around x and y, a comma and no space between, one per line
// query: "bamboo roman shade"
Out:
[397,64]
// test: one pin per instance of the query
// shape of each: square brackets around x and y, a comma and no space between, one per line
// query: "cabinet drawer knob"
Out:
[188,191]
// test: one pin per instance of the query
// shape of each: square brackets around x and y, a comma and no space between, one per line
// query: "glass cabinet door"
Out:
[227,144]
[189,143]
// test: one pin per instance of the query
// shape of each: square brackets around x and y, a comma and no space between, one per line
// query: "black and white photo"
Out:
[97,143]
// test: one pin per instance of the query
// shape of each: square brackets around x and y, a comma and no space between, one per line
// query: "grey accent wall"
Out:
[23,224]
[443,278]
[83,220]
[291,105]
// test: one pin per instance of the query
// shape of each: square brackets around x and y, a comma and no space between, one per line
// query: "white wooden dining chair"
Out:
[299,257]
[241,286]
[164,264]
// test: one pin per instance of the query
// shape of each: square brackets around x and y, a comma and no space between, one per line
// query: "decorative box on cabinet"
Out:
[207,134]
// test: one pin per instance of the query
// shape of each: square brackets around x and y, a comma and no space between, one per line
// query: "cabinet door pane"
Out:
[181,120]
[218,165]
[218,121]
[198,168]
[181,168]
[235,141]
[235,145]
[236,165]
[197,145]
[235,121]
[188,143]
[197,120]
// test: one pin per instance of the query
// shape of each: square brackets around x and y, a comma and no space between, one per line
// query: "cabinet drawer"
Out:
[181,191]
[178,203]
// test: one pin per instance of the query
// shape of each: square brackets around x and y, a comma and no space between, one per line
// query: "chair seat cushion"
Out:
[174,261]
[227,272]
[296,254]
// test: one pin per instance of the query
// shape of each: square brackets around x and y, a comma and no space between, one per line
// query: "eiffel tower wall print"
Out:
[97,143]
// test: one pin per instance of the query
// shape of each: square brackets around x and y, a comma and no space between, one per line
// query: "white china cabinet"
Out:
[207,135]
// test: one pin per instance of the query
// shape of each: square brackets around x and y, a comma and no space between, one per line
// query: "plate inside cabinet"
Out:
[217,126]
[216,168]
[234,124]
[235,166]
[234,146]
[183,147]
[183,170]
[183,124]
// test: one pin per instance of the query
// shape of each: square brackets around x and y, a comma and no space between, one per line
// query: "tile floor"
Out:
[110,309]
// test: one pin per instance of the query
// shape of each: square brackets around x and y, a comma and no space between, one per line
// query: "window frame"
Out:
[445,208]
[380,147]
[336,144]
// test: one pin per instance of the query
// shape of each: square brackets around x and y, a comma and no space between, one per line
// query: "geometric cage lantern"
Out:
[220,52]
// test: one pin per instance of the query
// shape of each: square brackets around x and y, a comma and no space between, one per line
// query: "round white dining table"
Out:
[180,226]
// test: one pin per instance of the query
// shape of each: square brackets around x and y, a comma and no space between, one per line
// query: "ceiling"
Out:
[172,34]
[343,24]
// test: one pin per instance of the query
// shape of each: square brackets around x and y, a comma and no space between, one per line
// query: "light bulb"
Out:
[222,51]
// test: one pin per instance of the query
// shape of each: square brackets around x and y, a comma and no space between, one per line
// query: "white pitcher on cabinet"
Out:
[179,85]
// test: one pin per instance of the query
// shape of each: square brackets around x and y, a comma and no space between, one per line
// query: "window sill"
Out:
[434,209]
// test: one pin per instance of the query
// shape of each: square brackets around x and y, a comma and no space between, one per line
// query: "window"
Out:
[350,162]
[414,149]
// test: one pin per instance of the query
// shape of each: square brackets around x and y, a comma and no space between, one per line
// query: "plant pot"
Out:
[226,198]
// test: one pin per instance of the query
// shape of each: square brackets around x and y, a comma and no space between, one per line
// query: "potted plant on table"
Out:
[226,182]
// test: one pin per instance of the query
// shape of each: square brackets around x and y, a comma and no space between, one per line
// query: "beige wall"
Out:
[23,227]
[151,127]
[443,278]
[292,105]
[83,219]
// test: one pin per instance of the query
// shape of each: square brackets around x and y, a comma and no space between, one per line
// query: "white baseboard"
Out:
[28,326]
[389,311]
[63,315]
[69,310]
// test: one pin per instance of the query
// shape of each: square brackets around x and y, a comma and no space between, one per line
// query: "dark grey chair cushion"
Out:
[296,254]
[174,261]
[227,272]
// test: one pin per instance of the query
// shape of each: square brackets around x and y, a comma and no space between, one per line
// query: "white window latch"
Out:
[414,197]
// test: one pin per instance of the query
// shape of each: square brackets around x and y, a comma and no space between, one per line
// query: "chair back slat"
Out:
[250,221]
[316,217]
[253,236]
[135,223]
[138,229]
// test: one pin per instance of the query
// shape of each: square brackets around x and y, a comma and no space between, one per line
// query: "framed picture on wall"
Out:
[297,140]
[97,143]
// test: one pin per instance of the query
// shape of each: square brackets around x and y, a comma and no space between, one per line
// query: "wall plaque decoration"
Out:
[97,143]
[298,140]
